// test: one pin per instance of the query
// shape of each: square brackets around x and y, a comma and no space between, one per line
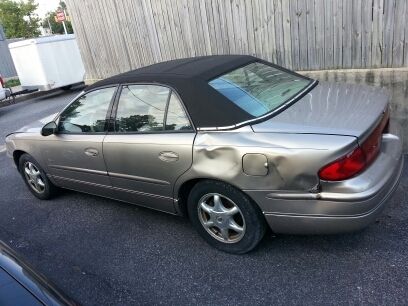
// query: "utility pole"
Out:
[62,7]
[49,25]
[65,28]
[63,23]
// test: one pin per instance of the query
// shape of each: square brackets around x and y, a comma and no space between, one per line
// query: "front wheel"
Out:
[35,178]
[225,217]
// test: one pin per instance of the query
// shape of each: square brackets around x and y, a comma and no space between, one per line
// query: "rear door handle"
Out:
[91,152]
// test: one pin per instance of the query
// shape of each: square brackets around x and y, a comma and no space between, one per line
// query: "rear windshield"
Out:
[258,88]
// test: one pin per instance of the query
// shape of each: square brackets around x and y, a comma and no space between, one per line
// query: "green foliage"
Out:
[12,83]
[18,18]
[57,27]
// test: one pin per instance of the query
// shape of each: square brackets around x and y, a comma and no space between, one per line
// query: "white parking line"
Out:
[2,148]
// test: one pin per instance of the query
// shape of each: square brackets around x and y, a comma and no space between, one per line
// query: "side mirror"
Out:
[49,129]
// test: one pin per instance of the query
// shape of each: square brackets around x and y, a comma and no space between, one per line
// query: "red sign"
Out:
[60,16]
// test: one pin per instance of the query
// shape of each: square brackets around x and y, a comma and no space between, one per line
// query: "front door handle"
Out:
[91,152]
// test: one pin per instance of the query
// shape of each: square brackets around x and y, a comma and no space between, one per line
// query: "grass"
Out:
[12,83]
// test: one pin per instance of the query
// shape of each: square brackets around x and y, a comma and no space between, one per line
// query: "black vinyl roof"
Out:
[189,77]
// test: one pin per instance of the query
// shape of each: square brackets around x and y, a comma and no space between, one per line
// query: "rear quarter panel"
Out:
[293,160]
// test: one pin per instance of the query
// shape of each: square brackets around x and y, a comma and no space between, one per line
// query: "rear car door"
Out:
[150,145]
[74,154]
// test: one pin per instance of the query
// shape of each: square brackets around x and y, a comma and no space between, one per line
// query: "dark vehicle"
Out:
[20,285]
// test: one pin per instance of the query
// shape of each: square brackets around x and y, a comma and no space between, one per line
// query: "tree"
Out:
[57,27]
[18,18]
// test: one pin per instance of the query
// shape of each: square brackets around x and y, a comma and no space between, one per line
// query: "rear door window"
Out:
[141,108]
[176,119]
[150,108]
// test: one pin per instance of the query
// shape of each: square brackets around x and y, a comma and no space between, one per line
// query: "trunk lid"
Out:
[331,108]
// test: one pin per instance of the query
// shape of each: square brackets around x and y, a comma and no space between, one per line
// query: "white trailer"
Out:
[48,62]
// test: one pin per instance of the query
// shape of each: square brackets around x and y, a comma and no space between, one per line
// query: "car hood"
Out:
[36,126]
[331,108]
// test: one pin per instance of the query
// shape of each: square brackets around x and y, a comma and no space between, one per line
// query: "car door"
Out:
[150,146]
[74,154]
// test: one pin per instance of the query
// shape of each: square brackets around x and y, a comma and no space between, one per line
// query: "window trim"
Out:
[107,116]
[112,129]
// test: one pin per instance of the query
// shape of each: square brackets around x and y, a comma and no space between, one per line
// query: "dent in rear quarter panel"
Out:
[293,159]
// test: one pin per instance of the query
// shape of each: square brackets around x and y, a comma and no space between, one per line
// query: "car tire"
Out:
[35,178]
[228,220]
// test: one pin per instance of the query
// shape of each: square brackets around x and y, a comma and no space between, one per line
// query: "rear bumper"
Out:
[344,206]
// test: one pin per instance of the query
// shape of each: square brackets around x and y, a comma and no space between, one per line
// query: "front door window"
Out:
[88,113]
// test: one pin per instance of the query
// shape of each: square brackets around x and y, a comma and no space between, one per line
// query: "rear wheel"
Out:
[35,178]
[225,217]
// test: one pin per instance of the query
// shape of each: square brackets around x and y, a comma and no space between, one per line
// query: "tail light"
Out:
[360,158]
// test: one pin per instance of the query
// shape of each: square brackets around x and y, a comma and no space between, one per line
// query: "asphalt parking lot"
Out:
[103,252]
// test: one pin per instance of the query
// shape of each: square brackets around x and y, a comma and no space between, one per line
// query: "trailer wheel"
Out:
[68,87]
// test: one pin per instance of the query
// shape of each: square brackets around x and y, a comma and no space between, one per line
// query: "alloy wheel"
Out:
[34,177]
[221,218]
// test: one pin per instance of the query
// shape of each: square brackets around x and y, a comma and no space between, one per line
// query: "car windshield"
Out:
[258,88]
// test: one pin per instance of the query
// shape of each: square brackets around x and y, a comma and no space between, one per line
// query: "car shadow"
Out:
[371,239]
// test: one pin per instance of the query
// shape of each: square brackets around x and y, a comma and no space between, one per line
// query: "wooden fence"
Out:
[116,36]
[6,62]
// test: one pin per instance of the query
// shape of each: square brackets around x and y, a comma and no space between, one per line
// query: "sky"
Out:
[45,6]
